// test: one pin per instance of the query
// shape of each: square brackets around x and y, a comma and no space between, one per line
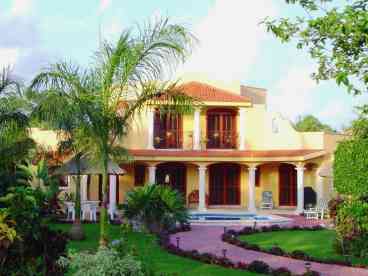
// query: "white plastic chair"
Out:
[70,210]
[319,211]
[267,200]
[89,208]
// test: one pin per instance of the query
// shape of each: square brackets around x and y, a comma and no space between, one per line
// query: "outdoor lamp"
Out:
[177,242]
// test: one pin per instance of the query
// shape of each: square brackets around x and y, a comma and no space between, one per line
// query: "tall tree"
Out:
[15,143]
[311,123]
[60,110]
[124,79]
[335,33]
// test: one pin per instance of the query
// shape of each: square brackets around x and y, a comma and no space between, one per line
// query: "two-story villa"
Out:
[229,151]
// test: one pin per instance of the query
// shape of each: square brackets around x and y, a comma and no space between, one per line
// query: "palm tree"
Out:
[14,122]
[59,109]
[123,80]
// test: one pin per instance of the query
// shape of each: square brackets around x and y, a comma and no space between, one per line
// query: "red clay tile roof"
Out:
[208,93]
[223,153]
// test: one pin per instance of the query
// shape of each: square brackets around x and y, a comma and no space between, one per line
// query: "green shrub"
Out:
[350,168]
[38,248]
[105,262]
[158,207]
[352,227]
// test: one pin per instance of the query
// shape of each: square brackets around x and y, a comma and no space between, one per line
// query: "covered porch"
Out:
[237,180]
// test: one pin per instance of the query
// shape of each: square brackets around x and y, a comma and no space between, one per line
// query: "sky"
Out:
[233,45]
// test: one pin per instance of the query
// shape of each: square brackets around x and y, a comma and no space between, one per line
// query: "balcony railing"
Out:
[168,139]
[221,140]
[185,140]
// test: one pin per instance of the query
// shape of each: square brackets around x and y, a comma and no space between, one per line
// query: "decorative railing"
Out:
[221,140]
[168,139]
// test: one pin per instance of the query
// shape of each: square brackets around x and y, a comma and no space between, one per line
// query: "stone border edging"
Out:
[209,258]
[231,237]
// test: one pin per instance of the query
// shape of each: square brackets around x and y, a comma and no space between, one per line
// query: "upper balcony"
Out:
[212,129]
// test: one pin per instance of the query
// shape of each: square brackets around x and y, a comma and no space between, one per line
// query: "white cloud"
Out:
[8,57]
[295,93]
[104,5]
[230,39]
[21,7]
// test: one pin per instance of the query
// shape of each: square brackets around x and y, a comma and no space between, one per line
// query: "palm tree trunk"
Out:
[103,212]
[76,231]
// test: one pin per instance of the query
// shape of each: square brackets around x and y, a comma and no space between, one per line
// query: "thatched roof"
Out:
[87,167]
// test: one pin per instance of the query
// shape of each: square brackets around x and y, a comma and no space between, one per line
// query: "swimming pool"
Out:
[234,218]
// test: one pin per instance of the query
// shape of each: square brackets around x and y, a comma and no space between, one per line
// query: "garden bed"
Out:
[148,249]
[303,243]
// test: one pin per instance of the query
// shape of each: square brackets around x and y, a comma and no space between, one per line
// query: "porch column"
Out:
[300,189]
[319,186]
[197,130]
[150,118]
[152,174]
[84,179]
[202,187]
[251,189]
[242,114]
[112,195]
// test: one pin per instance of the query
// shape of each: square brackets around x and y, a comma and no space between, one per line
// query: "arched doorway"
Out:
[173,175]
[287,185]
[224,184]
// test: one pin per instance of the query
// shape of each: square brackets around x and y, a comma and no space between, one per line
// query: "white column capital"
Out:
[300,167]
[252,169]
[202,167]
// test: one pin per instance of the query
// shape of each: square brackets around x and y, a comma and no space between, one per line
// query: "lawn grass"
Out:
[319,244]
[146,246]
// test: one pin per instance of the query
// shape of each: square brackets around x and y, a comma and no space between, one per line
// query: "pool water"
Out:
[226,217]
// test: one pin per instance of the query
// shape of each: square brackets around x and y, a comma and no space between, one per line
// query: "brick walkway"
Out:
[208,239]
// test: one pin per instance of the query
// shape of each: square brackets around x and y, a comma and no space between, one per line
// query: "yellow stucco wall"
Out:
[260,134]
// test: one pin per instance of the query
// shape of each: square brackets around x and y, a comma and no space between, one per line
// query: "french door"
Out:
[287,185]
[167,131]
[221,129]
[224,184]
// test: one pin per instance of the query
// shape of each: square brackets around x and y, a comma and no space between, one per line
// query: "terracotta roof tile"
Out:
[206,92]
[223,153]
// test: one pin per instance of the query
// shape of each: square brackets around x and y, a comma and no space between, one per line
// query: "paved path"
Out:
[208,239]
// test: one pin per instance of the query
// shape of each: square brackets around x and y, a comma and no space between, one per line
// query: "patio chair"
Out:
[90,209]
[193,198]
[267,200]
[319,211]
[70,210]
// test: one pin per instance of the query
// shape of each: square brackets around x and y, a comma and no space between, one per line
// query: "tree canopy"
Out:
[311,123]
[335,33]
[107,96]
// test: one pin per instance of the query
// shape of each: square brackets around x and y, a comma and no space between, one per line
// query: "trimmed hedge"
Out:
[350,168]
